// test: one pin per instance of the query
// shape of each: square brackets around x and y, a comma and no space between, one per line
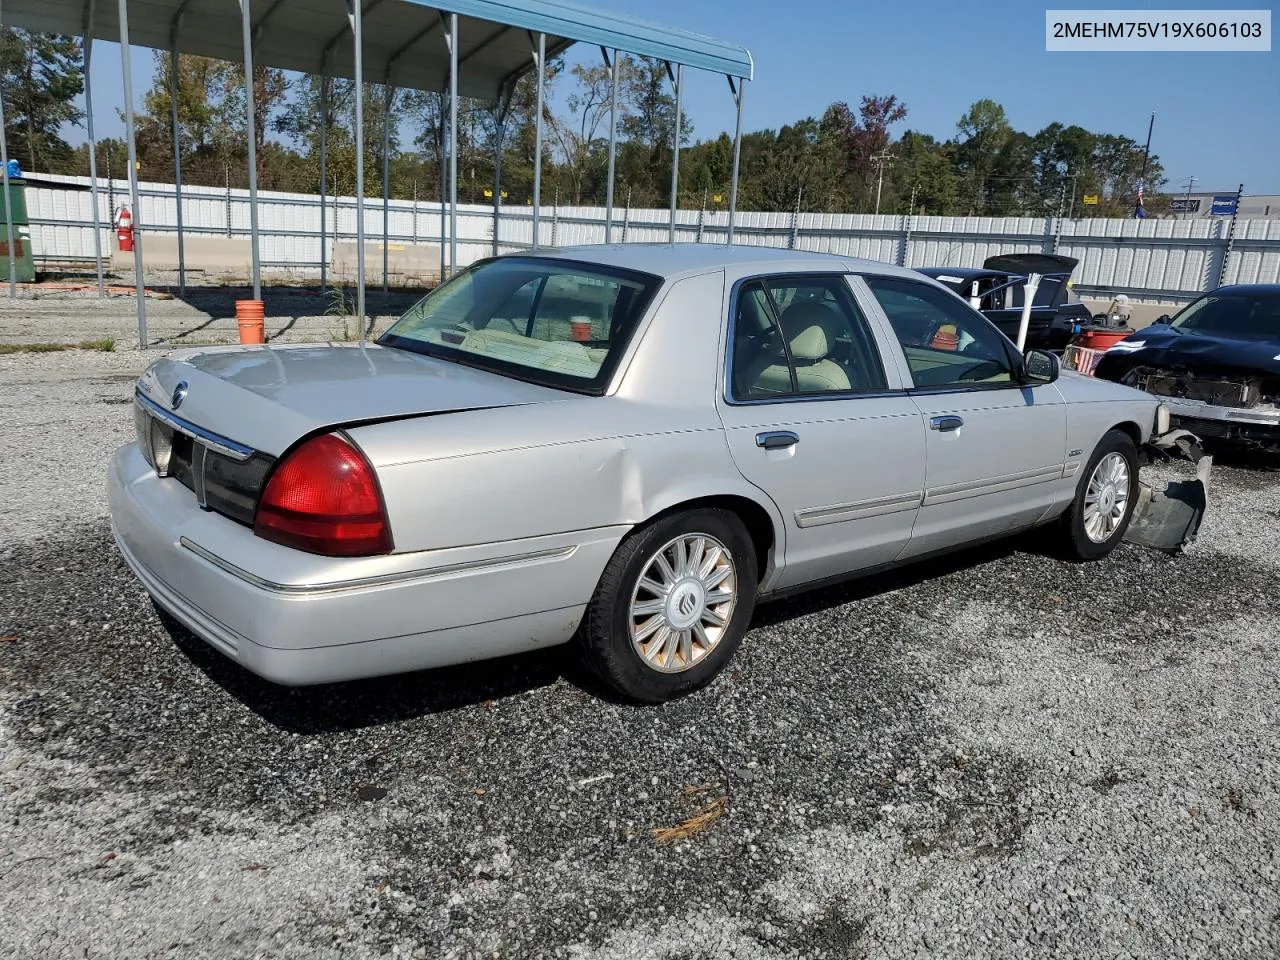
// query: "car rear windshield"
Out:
[559,323]
[1243,315]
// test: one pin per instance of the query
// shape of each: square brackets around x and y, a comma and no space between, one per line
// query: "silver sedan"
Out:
[625,447]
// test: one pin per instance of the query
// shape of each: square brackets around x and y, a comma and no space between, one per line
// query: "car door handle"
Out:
[776,439]
[947,423]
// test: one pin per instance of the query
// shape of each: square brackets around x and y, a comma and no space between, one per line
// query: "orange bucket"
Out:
[1102,339]
[250,318]
[945,338]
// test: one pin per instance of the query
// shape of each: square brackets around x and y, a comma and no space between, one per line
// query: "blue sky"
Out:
[1217,114]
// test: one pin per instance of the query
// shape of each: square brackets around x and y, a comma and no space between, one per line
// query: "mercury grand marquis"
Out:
[620,446]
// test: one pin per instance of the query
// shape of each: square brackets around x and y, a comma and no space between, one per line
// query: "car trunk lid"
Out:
[268,398]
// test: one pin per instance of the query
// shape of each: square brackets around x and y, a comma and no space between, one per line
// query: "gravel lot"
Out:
[206,315]
[999,755]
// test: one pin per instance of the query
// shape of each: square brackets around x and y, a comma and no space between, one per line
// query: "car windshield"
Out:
[555,322]
[1242,315]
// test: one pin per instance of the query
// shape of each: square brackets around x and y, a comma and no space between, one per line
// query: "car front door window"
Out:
[810,419]
[946,344]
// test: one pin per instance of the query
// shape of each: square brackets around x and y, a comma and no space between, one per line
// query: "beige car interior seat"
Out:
[811,328]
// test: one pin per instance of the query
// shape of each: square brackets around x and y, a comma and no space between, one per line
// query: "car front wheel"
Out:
[672,605]
[1105,499]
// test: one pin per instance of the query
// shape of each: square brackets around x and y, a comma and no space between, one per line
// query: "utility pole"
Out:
[1186,203]
[881,160]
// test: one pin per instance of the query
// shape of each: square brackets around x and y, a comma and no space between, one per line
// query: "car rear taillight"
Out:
[324,498]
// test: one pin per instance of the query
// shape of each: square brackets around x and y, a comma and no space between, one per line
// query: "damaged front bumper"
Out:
[1256,425]
[1169,520]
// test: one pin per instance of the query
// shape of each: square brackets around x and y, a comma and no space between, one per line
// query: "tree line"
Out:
[851,159]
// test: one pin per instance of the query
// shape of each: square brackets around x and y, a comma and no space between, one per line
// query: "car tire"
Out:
[618,639]
[1088,534]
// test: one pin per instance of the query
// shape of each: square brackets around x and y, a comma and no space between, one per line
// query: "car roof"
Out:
[1272,289]
[671,260]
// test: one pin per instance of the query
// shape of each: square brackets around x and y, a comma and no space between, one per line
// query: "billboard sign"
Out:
[1224,206]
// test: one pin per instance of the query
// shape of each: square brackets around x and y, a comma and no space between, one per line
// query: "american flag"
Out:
[1138,212]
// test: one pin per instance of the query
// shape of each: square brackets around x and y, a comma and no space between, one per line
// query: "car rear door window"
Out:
[946,344]
[801,336]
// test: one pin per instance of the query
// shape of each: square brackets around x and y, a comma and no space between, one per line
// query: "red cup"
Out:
[581,330]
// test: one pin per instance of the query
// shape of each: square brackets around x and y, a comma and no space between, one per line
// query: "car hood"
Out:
[1161,346]
[269,397]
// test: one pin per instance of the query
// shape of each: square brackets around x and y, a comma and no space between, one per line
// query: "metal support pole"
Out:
[537,135]
[908,224]
[613,142]
[126,66]
[93,152]
[738,94]
[177,152]
[355,14]
[453,143]
[795,218]
[443,185]
[247,43]
[500,132]
[675,154]
[1029,295]
[111,188]
[388,98]
[1231,238]
[8,208]
[324,181]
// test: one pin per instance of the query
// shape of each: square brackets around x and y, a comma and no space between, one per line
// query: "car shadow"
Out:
[338,707]
[866,586]
[1243,458]
[352,705]
[287,303]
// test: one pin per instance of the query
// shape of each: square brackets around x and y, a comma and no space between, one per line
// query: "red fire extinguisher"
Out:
[124,230]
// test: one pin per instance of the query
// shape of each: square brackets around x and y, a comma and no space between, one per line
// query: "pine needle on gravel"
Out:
[698,823]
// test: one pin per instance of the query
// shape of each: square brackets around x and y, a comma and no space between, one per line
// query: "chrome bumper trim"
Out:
[229,448]
[404,576]
[1199,410]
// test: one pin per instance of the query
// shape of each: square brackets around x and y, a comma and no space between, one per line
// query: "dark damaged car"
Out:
[1215,364]
[997,289]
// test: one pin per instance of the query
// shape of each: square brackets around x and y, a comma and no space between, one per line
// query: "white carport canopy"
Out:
[474,48]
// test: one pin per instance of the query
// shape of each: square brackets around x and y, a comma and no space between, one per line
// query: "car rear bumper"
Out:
[296,619]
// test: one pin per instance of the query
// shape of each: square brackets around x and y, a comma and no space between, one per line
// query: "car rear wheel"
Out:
[672,605]
[1105,499]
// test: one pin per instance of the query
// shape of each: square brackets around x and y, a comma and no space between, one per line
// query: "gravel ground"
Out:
[997,755]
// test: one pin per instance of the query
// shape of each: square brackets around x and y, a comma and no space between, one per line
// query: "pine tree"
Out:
[41,76]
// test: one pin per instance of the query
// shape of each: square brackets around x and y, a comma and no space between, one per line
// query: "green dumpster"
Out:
[21,235]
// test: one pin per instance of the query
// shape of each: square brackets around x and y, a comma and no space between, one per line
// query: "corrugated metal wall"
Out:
[1152,259]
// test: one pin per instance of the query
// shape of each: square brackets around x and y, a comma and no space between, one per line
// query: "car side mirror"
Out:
[1040,366]
[1163,318]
